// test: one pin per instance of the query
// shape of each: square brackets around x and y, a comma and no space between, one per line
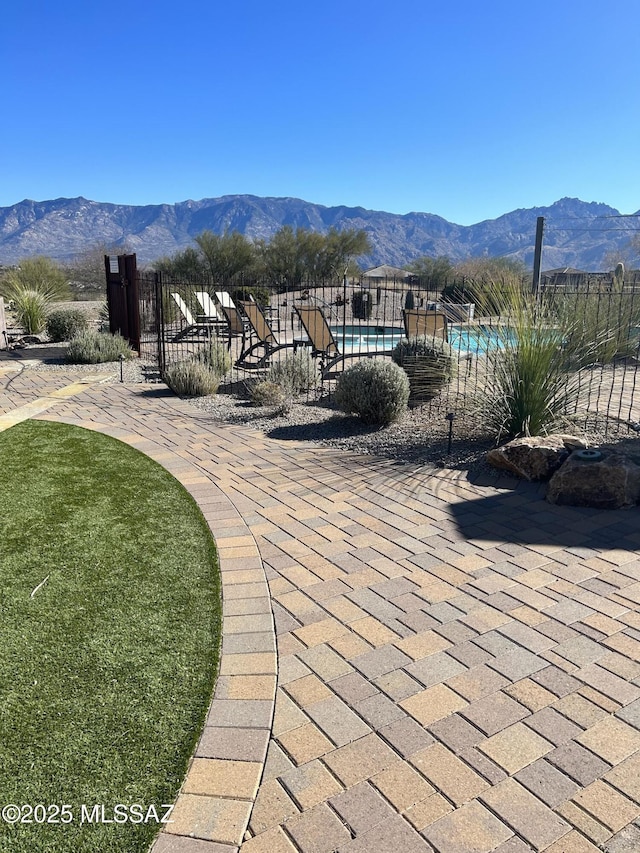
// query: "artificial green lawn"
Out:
[107,671]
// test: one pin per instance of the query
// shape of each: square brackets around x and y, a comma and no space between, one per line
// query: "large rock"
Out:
[534,457]
[610,483]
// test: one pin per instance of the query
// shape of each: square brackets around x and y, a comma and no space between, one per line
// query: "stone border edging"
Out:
[214,804]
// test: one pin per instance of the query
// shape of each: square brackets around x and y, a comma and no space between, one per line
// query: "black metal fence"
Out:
[368,318]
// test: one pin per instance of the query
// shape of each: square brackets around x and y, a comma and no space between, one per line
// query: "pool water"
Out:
[478,340]
[367,338]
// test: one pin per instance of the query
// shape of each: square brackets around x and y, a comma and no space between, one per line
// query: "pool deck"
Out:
[410,661]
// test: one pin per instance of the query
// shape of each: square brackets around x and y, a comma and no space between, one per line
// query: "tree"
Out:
[186,264]
[292,257]
[438,271]
[342,247]
[226,255]
[283,257]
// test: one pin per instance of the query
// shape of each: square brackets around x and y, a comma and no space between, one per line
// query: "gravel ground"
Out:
[421,437]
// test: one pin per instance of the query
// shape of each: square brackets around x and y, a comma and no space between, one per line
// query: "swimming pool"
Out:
[478,340]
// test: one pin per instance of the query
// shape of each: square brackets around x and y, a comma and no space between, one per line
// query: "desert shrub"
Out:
[103,317]
[601,325]
[33,285]
[30,308]
[429,363]
[295,373]
[267,393]
[362,304]
[375,391]
[96,348]
[41,275]
[533,381]
[191,379]
[215,356]
[65,323]
[491,297]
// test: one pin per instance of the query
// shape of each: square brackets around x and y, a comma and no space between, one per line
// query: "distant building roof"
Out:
[564,271]
[386,271]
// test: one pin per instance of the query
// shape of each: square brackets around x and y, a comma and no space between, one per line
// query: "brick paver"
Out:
[458,666]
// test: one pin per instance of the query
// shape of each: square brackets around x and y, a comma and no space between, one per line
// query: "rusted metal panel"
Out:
[4,341]
[122,298]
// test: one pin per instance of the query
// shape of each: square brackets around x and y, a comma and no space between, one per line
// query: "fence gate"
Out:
[122,298]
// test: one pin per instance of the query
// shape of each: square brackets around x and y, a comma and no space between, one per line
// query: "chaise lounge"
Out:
[265,339]
[323,343]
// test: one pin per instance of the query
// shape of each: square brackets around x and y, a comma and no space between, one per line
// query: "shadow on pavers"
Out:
[47,355]
[524,517]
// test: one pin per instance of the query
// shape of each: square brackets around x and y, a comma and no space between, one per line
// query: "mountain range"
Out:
[584,235]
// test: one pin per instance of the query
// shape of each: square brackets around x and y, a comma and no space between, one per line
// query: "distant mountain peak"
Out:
[64,227]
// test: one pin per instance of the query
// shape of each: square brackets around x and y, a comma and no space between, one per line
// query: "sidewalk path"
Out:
[458,666]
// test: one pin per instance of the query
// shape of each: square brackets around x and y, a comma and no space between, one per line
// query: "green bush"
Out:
[216,357]
[96,348]
[267,393]
[295,373]
[375,391]
[30,308]
[261,294]
[191,379]
[66,323]
[39,274]
[362,304]
[429,363]
[533,381]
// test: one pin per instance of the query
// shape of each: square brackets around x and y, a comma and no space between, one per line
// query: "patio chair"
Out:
[265,339]
[209,308]
[238,325]
[270,312]
[420,323]
[323,342]
[212,314]
[194,327]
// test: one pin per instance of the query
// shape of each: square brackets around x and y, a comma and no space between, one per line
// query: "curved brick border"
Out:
[214,804]
[454,662]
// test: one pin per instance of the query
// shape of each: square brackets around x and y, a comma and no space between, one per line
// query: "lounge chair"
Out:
[209,308]
[212,314]
[265,339]
[323,342]
[270,312]
[419,323]
[195,327]
[237,324]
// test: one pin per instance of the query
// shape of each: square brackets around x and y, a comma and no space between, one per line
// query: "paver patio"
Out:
[458,665]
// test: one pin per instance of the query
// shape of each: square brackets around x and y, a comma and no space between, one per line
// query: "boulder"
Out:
[534,457]
[612,482]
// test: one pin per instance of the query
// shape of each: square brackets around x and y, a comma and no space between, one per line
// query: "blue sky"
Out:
[463,109]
